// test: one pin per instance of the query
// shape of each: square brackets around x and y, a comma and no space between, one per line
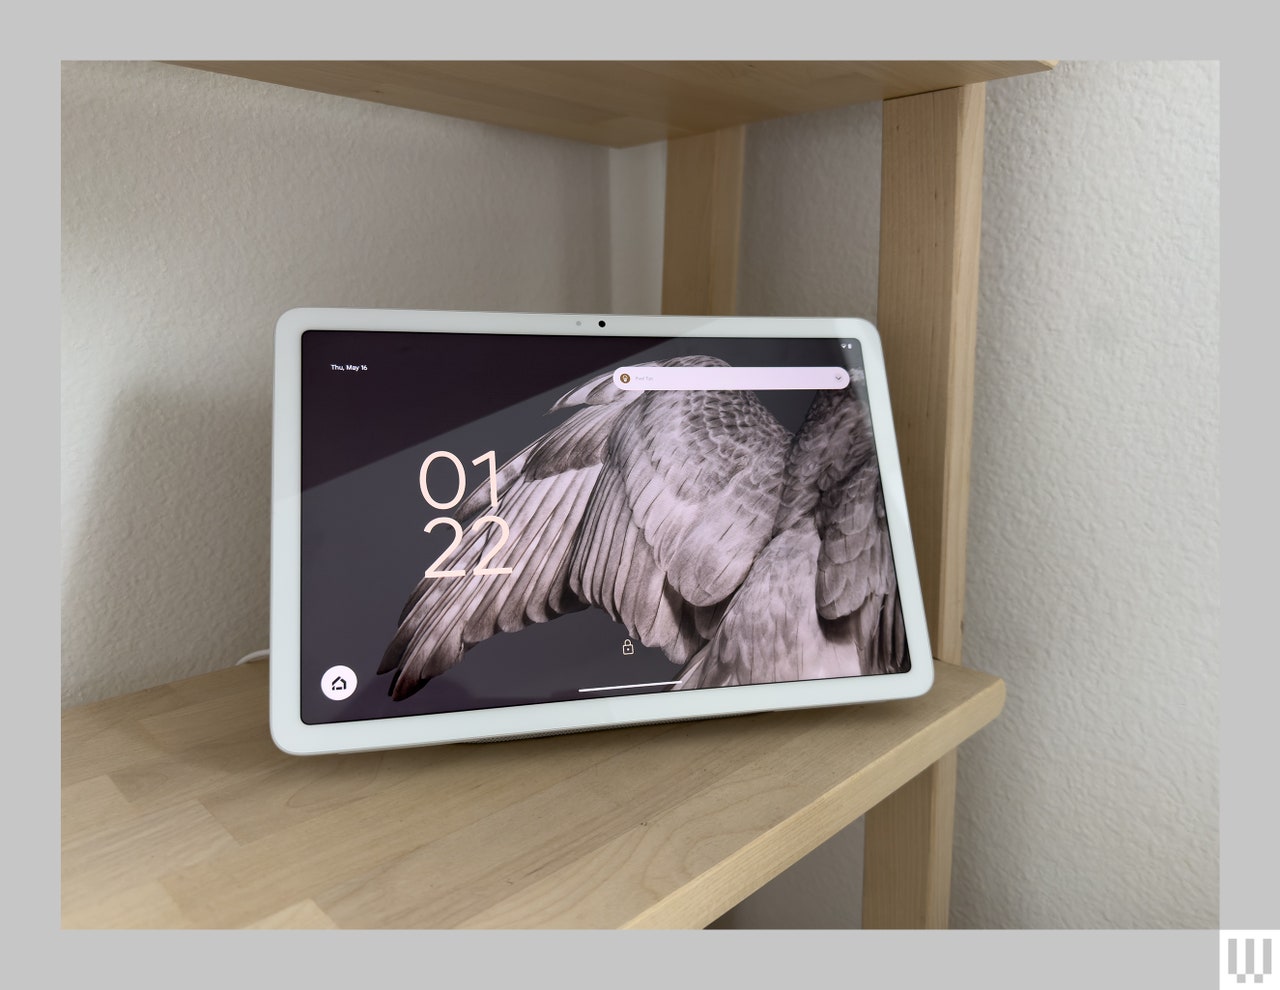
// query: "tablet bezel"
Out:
[294,736]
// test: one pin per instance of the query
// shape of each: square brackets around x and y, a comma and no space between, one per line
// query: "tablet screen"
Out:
[492,520]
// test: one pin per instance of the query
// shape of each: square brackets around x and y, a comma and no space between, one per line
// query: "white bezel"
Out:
[294,736]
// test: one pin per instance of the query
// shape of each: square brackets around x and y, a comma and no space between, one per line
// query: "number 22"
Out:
[481,569]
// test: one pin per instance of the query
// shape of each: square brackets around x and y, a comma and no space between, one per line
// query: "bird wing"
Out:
[821,601]
[857,588]
[686,500]
[542,494]
[770,631]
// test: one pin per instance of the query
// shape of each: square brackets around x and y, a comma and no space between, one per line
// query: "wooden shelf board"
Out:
[178,811]
[621,103]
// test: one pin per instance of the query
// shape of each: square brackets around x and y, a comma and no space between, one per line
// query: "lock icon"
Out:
[627,648]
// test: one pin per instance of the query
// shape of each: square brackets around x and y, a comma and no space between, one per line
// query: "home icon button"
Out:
[338,683]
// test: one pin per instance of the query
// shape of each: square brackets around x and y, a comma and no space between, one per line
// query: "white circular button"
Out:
[338,683]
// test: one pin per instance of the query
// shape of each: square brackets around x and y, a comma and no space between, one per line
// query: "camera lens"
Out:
[602,322]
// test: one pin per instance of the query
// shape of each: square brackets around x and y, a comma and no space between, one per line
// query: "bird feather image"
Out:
[745,553]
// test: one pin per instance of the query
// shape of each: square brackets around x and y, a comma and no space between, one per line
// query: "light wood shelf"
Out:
[622,103]
[178,811]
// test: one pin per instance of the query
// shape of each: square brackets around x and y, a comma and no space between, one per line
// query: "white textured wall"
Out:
[1092,801]
[1093,526]
[195,210]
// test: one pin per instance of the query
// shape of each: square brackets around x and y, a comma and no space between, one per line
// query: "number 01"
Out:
[488,457]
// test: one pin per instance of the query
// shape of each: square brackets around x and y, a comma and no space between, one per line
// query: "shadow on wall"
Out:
[169,574]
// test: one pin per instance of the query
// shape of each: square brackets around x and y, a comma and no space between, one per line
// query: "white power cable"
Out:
[250,657]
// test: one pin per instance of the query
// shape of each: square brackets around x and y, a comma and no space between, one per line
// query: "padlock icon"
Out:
[627,648]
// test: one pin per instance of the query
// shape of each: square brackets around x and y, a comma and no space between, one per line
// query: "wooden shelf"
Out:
[622,103]
[178,811]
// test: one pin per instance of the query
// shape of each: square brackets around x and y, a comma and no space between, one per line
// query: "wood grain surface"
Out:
[621,103]
[703,222]
[930,224]
[178,811]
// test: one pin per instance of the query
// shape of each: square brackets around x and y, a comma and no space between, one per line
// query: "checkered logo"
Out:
[1246,959]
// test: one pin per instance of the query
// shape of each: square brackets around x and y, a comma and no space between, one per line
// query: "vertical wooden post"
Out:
[930,223]
[703,223]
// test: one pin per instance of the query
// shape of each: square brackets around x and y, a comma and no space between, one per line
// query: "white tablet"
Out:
[488,525]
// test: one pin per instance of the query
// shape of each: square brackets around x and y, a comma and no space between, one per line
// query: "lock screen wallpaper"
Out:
[496,520]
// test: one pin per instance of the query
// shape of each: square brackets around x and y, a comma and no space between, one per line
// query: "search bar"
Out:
[648,378]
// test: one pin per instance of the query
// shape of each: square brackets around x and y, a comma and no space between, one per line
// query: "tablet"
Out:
[489,525]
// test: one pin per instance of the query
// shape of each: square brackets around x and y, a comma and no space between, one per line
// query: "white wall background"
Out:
[197,208]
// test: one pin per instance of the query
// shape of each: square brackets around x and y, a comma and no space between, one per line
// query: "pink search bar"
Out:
[647,378]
